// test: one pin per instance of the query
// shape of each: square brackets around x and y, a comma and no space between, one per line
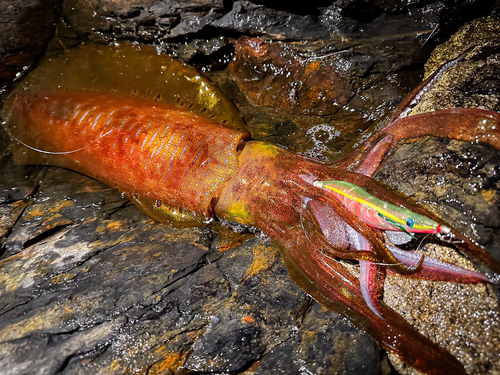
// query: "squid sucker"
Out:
[162,135]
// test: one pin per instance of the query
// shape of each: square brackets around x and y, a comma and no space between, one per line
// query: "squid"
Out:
[162,135]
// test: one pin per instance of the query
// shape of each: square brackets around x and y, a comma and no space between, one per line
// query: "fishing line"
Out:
[4,125]
[422,240]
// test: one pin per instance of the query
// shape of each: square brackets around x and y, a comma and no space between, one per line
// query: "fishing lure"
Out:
[163,136]
[378,213]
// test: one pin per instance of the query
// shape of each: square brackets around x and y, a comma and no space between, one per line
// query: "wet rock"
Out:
[272,75]
[220,349]
[340,344]
[61,200]
[474,82]
[155,20]
[26,27]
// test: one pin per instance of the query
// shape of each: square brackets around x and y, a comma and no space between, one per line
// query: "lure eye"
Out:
[410,223]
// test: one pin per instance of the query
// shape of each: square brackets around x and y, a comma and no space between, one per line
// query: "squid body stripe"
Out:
[189,167]
[187,142]
[173,153]
[184,149]
[169,141]
[132,126]
[198,145]
[199,180]
[96,120]
[83,117]
[153,138]
[109,121]
[213,154]
[77,111]
[151,157]
[161,146]
[144,142]
[210,135]
[110,118]
[123,123]
[165,130]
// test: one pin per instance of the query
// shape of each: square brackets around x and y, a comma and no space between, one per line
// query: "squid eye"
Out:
[410,223]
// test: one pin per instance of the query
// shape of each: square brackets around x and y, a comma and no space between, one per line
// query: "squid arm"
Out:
[466,124]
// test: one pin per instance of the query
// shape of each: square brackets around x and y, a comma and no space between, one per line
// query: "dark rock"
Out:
[155,21]
[26,27]
[221,349]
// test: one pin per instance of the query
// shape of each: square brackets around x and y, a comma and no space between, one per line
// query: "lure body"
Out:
[163,136]
[376,212]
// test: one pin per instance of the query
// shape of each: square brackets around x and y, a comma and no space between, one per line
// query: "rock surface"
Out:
[25,26]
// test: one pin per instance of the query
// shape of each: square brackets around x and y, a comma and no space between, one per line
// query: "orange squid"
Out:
[162,135]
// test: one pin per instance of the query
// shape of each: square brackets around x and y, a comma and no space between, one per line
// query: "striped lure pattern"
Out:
[376,212]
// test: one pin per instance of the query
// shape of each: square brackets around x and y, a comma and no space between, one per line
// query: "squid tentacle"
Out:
[371,275]
[465,124]
[375,155]
[438,270]
[374,238]
[321,240]
[463,243]
[334,287]
[416,95]
[367,157]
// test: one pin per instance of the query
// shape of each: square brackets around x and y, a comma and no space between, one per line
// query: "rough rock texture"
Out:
[154,20]
[25,26]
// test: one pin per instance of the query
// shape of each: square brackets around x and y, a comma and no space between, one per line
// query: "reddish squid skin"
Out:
[157,155]
[177,150]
